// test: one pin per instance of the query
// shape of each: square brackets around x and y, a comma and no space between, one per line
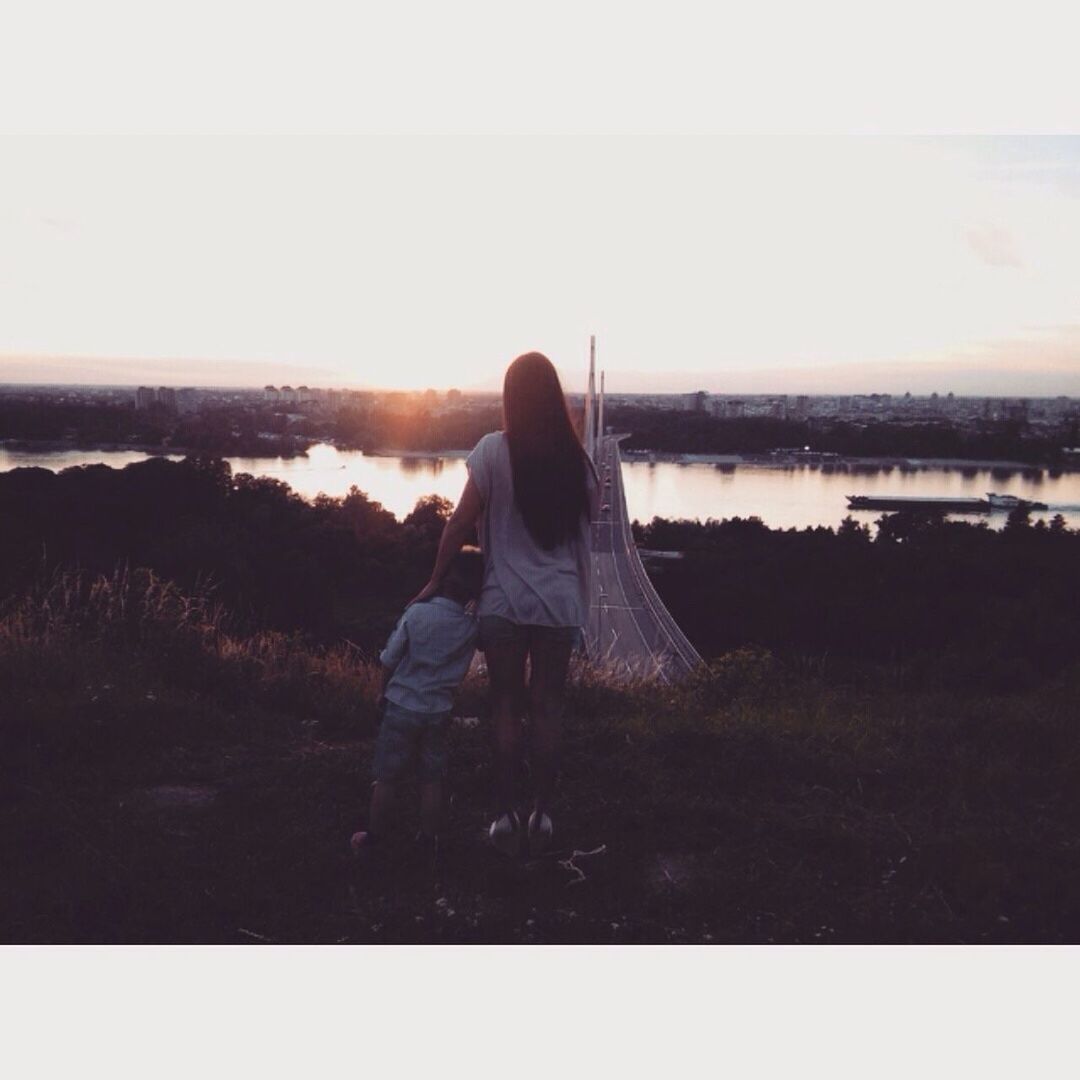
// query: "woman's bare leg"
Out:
[380,815]
[506,672]
[432,807]
[547,685]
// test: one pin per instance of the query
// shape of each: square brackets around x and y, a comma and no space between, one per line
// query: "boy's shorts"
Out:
[406,736]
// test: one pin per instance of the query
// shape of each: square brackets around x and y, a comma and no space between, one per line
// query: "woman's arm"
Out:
[456,531]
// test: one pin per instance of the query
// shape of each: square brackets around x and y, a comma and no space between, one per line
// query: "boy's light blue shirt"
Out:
[429,653]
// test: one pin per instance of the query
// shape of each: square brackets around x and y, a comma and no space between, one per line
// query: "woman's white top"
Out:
[523,582]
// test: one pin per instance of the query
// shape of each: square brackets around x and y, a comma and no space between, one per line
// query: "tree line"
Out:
[942,602]
[333,568]
[412,425]
[703,433]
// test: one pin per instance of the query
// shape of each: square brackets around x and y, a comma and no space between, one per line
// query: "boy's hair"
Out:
[466,573]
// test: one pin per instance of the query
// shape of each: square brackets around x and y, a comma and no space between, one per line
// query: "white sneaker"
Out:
[540,832]
[505,834]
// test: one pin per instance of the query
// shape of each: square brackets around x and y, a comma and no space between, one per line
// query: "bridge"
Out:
[629,629]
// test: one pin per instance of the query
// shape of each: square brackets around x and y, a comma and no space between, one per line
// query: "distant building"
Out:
[166,396]
[145,397]
[288,395]
[695,402]
[271,394]
[1017,411]
[187,400]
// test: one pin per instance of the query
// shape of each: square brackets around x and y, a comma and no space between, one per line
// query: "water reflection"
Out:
[791,496]
[56,460]
[395,482]
[809,495]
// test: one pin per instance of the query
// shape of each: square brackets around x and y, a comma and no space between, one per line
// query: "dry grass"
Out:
[133,624]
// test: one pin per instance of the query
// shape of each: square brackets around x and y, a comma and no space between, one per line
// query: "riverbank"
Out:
[411,455]
[58,446]
[812,461]
[820,461]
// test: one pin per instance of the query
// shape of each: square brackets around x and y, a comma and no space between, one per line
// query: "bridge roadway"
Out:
[629,628]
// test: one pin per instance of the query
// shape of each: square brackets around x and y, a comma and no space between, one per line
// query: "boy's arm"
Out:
[392,654]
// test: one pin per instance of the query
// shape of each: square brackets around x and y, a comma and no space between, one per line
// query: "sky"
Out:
[741,263]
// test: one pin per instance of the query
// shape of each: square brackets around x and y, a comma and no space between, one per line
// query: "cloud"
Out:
[993,245]
[62,224]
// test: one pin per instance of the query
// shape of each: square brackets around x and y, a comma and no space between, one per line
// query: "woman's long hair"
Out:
[546,455]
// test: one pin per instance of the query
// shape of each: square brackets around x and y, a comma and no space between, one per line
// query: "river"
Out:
[782,497]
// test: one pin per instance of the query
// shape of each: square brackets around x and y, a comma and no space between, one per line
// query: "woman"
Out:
[531,494]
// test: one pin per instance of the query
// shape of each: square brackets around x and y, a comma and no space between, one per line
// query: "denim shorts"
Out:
[495,630]
[406,737]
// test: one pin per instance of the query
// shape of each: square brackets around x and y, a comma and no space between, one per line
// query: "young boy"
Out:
[424,661]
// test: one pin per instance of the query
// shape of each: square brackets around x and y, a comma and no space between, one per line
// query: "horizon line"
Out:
[922,378]
[479,392]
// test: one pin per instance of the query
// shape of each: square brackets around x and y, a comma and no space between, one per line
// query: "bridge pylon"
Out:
[589,432]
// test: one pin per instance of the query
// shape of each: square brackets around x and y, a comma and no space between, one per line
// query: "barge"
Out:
[943,504]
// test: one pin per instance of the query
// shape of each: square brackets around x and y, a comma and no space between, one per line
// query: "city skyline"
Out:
[801,264]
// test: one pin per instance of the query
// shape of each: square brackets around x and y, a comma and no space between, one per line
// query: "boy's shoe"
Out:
[505,834]
[540,832]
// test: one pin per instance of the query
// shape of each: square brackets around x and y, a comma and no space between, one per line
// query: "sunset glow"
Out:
[740,263]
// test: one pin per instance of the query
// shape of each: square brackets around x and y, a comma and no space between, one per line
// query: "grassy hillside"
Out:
[166,780]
